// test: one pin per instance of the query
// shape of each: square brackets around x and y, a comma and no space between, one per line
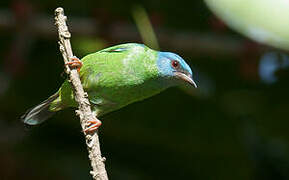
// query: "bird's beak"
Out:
[186,78]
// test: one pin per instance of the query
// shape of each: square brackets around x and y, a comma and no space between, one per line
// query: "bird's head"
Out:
[172,66]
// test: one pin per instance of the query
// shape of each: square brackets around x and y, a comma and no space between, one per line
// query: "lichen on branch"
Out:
[84,111]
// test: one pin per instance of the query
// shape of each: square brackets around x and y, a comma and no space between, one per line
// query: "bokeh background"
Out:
[234,126]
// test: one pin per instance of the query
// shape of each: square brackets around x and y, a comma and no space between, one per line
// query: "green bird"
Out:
[115,77]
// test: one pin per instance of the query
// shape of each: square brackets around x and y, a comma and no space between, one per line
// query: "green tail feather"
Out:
[41,112]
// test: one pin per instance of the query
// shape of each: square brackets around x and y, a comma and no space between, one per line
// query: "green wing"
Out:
[106,74]
[114,77]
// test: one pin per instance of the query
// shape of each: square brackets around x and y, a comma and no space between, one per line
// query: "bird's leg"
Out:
[94,124]
[74,63]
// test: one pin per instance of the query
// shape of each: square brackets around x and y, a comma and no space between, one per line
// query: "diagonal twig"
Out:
[84,112]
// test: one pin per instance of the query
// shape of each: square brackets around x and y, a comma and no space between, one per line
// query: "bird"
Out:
[114,78]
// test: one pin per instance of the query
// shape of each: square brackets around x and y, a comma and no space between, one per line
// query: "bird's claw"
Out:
[93,126]
[74,63]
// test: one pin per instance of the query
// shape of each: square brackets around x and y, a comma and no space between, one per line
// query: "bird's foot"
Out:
[93,126]
[74,63]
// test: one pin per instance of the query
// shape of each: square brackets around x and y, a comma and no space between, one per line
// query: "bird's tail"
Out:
[41,112]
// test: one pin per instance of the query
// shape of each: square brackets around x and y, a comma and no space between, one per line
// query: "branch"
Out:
[84,112]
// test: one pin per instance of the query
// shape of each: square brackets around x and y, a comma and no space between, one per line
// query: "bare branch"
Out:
[84,112]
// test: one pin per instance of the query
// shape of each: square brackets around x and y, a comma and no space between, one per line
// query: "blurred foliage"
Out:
[234,126]
[262,20]
[85,45]
[145,27]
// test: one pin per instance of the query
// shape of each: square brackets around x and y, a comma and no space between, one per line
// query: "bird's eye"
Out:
[175,64]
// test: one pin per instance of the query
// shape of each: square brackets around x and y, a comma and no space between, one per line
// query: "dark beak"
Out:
[187,78]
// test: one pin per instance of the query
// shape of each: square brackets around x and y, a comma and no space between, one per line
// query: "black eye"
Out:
[175,64]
